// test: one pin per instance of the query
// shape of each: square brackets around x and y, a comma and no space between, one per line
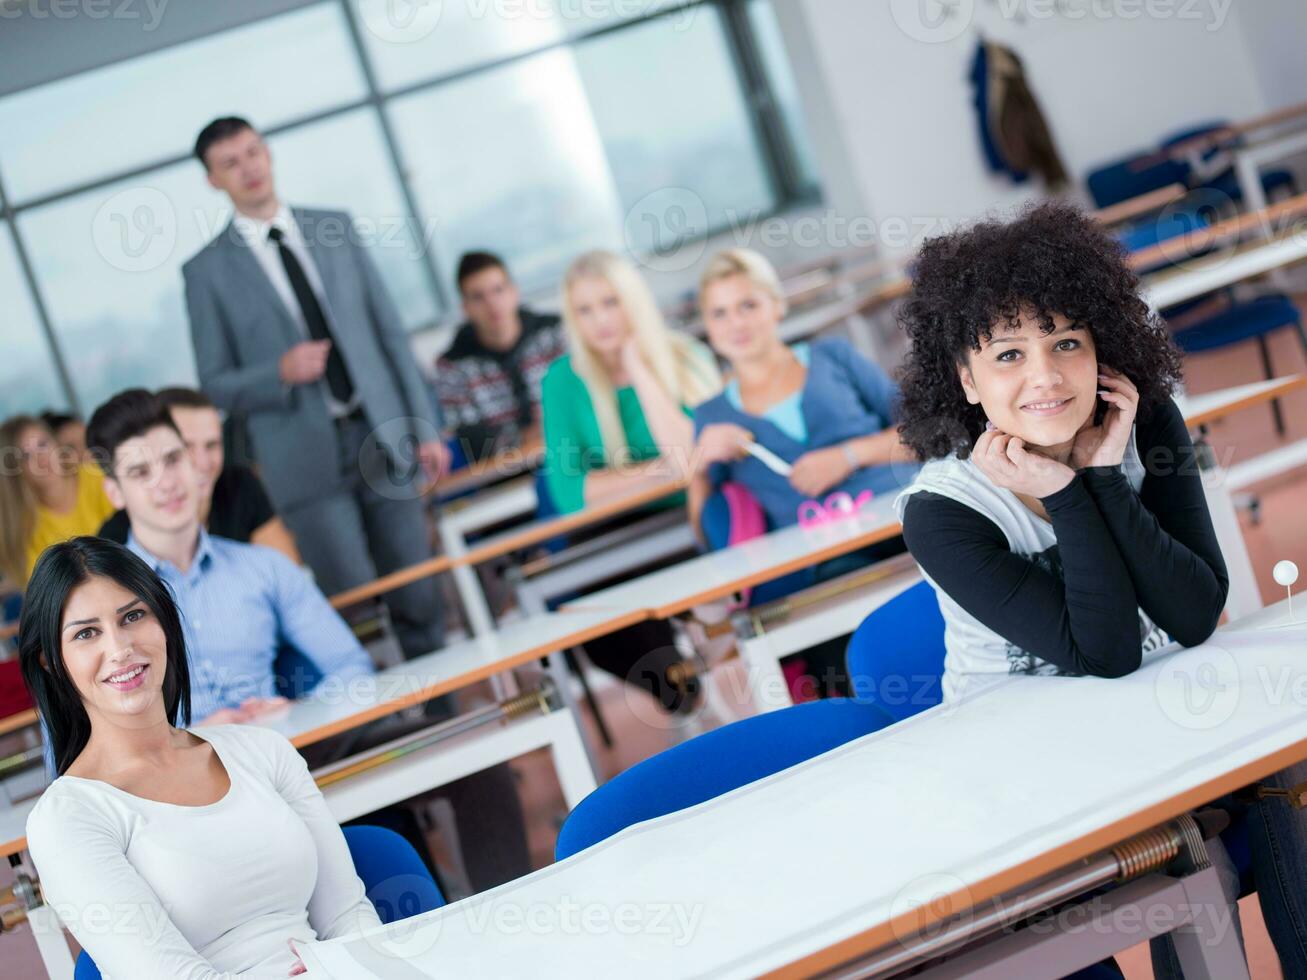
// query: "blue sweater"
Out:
[844,397]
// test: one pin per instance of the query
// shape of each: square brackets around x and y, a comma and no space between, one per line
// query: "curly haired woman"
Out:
[1060,516]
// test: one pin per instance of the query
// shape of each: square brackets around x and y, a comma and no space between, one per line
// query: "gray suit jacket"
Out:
[240,328]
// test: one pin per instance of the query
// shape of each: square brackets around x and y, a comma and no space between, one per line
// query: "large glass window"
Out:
[511,160]
[28,381]
[108,265]
[537,128]
[771,47]
[127,115]
[689,132]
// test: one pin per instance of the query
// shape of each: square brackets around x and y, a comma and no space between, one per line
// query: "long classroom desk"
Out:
[719,574]
[928,825]
[1204,275]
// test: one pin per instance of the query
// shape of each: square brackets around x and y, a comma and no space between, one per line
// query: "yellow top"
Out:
[91,509]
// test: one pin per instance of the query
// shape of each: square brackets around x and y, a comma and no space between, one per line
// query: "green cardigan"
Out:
[573,446]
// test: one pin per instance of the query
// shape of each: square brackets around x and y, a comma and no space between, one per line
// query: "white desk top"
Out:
[710,576]
[1222,269]
[968,801]
[491,506]
[332,709]
[335,708]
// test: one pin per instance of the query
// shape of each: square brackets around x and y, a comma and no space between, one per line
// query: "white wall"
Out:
[1275,33]
[900,94]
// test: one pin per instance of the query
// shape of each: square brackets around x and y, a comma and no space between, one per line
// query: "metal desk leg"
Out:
[767,685]
[1244,597]
[1208,949]
[479,617]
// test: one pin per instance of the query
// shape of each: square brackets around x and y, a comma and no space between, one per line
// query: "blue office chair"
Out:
[397,883]
[1226,183]
[1127,178]
[715,763]
[896,655]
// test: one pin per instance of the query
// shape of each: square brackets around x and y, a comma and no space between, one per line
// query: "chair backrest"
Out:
[295,674]
[895,657]
[1124,179]
[395,878]
[715,763]
[1193,132]
[732,515]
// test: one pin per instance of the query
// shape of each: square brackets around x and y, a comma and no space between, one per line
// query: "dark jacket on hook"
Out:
[1013,134]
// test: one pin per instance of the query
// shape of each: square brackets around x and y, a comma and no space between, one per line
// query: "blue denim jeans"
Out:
[1277,835]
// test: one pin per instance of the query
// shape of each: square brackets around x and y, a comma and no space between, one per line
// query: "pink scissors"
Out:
[837,507]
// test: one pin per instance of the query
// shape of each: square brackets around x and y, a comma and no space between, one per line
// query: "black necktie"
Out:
[342,388]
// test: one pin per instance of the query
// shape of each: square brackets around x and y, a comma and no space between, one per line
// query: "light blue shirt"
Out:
[240,604]
[786,414]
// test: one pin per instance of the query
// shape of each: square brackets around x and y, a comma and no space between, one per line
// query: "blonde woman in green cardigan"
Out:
[616,420]
[617,407]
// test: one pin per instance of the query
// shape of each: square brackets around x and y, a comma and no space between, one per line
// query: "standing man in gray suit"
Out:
[295,334]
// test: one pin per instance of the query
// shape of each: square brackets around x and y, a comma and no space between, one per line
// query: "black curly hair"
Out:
[1052,259]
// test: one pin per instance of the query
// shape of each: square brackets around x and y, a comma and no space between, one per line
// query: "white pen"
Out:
[768,458]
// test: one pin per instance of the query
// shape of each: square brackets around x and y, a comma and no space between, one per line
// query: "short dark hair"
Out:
[172,398]
[1052,259]
[126,415]
[473,262]
[217,131]
[60,569]
[54,421]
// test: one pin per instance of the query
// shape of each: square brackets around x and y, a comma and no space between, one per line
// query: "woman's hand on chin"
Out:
[1010,465]
[1104,444]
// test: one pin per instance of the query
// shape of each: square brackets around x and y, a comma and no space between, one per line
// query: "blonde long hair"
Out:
[684,369]
[18,502]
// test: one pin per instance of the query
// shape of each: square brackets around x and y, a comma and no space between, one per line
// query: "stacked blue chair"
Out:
[715,763]
[396,880]
[1226,183]
[896,655]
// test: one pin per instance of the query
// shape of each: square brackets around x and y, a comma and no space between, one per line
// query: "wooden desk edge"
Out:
[1258,398]
[807,560]
[18,721]
[411,698]
[921,919]
[569,522]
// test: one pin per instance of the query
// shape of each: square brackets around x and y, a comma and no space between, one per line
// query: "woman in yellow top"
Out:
[46,496]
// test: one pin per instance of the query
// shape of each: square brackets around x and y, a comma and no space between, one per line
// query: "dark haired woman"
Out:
[1061,517]
[218,840]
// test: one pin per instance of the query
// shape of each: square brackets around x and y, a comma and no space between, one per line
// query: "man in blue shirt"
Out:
[242,604]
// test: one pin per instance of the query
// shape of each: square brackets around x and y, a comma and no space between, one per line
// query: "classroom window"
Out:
[28,381]
[525,175]
[108,264]
[533,129]
[137,112]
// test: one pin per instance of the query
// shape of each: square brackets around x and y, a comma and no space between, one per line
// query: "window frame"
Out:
[773,139]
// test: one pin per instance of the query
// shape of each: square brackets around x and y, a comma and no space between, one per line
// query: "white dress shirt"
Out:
[255,233]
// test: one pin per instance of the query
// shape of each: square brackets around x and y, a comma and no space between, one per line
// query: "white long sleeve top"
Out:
[154,889]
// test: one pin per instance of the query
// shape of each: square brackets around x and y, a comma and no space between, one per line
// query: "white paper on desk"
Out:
[366,957]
